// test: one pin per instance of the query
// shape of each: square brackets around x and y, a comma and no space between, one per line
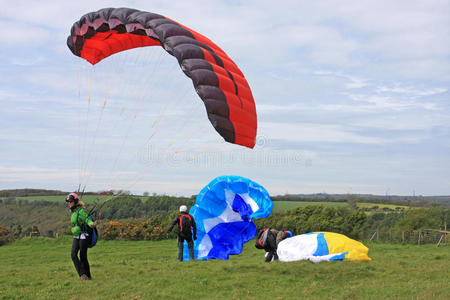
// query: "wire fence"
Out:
[424,236]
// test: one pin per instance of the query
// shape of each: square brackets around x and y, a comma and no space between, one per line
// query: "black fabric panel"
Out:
[105,13]
[103,28]
[157,22]
[210,92]
[217,107]
[167,30]
[223,126]
[146,17]
[89,33]
[191,64]
[204,77]
[138,17]
[173,41]
[187,51]
[120,28]
[139,32]
[89,17]
[122,14]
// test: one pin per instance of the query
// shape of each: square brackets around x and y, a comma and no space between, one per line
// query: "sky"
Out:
[351,98]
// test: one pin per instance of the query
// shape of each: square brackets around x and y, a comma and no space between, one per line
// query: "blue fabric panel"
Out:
[339,256]
[322,247]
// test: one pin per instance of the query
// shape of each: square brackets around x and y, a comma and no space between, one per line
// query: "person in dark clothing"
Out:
[268,239]
[80,221]
[187,231]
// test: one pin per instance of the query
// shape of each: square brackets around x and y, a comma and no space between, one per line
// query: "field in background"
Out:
[381,206]
[285,205]
[279,206]
[41,269]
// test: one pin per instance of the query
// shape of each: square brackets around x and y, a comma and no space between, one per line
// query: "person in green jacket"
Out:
[80,221]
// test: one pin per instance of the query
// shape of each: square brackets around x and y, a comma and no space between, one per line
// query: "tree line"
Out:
[140,218]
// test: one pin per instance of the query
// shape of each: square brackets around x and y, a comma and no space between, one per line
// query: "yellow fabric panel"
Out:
[338,243]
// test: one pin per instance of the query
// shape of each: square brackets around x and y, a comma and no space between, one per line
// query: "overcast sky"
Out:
[351,97]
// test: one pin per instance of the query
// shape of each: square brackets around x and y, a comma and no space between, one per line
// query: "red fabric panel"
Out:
[104,44]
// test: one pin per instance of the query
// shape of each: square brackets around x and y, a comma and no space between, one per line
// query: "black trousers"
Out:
[271,254]
[81,264]
[181,246]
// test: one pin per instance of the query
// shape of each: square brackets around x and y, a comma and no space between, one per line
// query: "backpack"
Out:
[262,241]
[185,225]
[93,234]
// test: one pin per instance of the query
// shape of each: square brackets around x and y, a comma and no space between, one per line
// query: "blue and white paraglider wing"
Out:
[223,211]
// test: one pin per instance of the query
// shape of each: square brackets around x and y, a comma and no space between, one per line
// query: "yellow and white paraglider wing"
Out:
[339,243]
[321,246]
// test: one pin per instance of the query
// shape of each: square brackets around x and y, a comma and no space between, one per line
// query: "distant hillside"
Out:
[387,199]
[317,197]
[30,192]
[33,192]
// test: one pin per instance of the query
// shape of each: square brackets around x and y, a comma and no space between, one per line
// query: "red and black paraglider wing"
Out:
[216,78]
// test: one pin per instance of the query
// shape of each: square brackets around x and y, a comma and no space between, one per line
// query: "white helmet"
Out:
[183,208]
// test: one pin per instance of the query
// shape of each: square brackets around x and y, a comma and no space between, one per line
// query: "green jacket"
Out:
[79,221]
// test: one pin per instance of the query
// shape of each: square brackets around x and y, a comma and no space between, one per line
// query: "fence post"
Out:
[442,236]
[403,237]
[373,236]
[418,240]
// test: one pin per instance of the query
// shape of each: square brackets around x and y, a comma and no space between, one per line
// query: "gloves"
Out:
[195,237]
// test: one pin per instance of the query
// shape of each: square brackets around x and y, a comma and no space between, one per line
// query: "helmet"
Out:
[183,208]
[72,197]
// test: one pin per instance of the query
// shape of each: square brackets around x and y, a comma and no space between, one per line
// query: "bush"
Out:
[5,236]
[132,230]
[318,218]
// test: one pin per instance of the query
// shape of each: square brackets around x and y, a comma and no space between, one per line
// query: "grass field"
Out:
[41,269]
[381,206]
[285,205]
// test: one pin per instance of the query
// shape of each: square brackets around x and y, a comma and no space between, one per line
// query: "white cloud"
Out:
[34,174]
[352,81]
[388,102]
[304,132]
[18,34]
[411,91]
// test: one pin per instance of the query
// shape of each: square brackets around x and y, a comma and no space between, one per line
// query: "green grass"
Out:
[281,206]
[42,269]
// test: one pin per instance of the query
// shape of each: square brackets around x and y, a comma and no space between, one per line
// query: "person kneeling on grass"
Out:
[187,230]
[80,221]
[268,239]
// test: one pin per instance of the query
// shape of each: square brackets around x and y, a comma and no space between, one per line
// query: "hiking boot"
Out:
[83,277]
